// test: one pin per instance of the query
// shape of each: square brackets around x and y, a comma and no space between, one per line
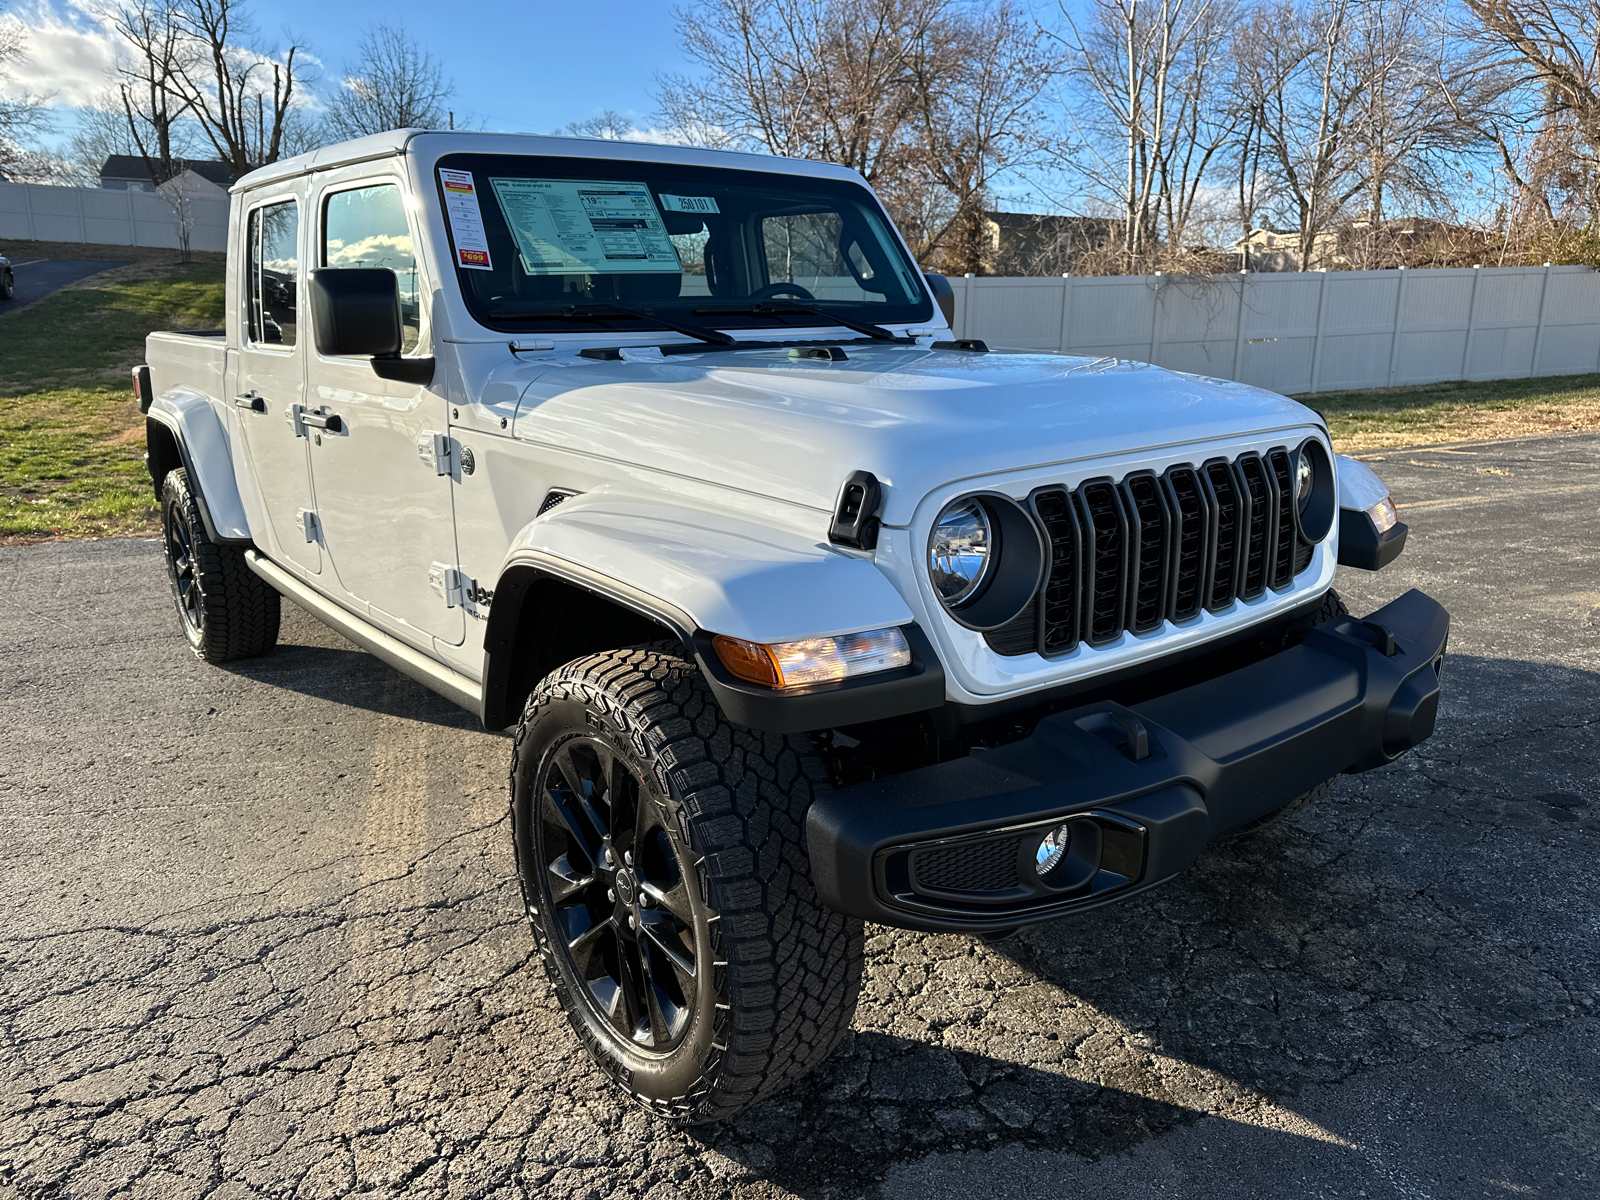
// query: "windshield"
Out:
[575,243]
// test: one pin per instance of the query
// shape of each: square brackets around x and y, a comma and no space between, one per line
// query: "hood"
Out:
[794,429]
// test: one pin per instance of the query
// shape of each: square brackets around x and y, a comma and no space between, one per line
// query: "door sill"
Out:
[453,686]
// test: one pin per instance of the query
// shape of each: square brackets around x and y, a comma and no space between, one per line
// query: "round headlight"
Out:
[1316,495]
[961,551]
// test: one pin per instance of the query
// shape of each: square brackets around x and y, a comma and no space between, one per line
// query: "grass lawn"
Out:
[1452,412]
[71,437]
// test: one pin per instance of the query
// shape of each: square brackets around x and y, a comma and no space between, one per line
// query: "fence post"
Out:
[1316,341]
[1238,336]
[1155,319]
[1394,337]
[1064,339]
[1538,333]
[27,200]
[1472,319]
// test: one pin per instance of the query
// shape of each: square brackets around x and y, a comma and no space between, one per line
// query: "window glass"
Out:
[274,274]
[367,227]
[548,243]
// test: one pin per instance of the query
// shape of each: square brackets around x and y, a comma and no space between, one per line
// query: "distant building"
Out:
[129,172]
[1363,245]
[1030,243]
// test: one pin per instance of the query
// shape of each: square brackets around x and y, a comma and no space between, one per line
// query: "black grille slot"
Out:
[1149,528]
[1106,545]
[1156,548]
[972,867]
[1060,628]
[1232,515]
[552,498]
[1283,550]
[1258,525]
[1193,523]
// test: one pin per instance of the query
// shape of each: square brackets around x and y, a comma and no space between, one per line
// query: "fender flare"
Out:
[694,573]
[204,450]
[1360,543]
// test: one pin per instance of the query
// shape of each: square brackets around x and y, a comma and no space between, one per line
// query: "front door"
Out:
[383,499]
[271,382]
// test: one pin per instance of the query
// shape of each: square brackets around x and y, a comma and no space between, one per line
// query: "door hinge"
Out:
[434,450]
[294,413]
[308,524]
[459,589]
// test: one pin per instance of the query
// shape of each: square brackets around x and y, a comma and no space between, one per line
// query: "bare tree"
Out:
[1528,81]
[149,89]
[608,126]
[242,98]
[20,118]
[927,99]
[1152,110]
[977,81]
[395,83]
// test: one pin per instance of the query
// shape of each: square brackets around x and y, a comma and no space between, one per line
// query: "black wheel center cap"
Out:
[627,887]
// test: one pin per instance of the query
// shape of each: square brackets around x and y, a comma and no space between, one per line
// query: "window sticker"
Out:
[585,227]
[466,221]
[689,204]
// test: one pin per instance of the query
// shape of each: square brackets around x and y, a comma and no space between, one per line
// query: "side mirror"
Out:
[944,296]
[356,311]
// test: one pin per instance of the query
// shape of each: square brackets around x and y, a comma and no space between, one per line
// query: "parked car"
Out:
[805,612]
[8,279]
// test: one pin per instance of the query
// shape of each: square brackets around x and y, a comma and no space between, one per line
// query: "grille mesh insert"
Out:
[974,867]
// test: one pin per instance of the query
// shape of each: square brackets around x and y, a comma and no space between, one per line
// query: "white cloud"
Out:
[70,58]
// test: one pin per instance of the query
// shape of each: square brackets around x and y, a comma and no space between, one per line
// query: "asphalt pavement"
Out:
[259,936]
[38,277]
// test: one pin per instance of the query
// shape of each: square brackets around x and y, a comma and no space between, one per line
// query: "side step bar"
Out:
[452,685]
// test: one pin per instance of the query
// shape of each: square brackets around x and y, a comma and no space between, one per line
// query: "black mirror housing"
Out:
[356,310]
[943,295]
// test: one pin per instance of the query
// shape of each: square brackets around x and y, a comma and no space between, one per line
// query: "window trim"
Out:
[246,341]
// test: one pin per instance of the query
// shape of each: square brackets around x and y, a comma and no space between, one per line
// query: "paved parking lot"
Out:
[259,937]
[38,277]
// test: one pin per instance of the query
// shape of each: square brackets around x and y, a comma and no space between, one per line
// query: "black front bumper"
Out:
[1142,789]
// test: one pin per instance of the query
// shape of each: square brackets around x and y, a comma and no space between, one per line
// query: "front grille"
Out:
[970,867]
[1136,553]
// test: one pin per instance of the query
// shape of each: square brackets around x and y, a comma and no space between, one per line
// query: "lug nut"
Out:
[647,901]
[611,895]
[633,921]
[627,857]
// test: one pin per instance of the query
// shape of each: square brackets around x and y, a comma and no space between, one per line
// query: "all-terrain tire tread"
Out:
[739,798]
[243,611]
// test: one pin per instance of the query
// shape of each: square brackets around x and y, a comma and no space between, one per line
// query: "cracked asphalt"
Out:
[259,936]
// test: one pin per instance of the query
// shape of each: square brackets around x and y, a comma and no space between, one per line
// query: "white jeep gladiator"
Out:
[804,612]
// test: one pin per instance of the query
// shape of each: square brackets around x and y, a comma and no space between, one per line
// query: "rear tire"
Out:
[664,871]
[8,286]
[226,610]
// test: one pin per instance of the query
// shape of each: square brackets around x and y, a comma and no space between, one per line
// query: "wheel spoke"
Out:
[583,935]
[581,790]
[634,984]
[567,880]
[665,938]
[568,821]
[674,899]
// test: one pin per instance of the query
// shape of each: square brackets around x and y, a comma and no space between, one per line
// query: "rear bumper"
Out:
[953,847]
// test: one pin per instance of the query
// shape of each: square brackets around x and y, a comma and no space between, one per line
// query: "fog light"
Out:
[1052,850]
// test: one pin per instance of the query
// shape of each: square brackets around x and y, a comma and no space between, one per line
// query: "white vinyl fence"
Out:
[34,211]
[1305,332]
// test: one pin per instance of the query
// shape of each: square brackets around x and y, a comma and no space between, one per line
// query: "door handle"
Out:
[251,401]
[328,421]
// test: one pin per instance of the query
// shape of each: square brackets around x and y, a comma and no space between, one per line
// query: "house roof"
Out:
[132,166]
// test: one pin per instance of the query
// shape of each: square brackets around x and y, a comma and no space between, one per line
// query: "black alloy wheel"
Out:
[615,886]
[183,573]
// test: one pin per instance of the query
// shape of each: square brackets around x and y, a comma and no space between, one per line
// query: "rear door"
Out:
[383,496]
[271,378]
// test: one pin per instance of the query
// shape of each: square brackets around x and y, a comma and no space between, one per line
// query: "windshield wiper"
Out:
[774,308]
[587,312]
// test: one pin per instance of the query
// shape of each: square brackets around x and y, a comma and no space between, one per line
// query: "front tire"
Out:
[663,867]
[227,611]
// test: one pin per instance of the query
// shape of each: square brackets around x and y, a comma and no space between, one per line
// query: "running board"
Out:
[452,685]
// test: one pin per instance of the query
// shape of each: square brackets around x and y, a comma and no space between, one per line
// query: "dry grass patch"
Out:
[1453,412]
